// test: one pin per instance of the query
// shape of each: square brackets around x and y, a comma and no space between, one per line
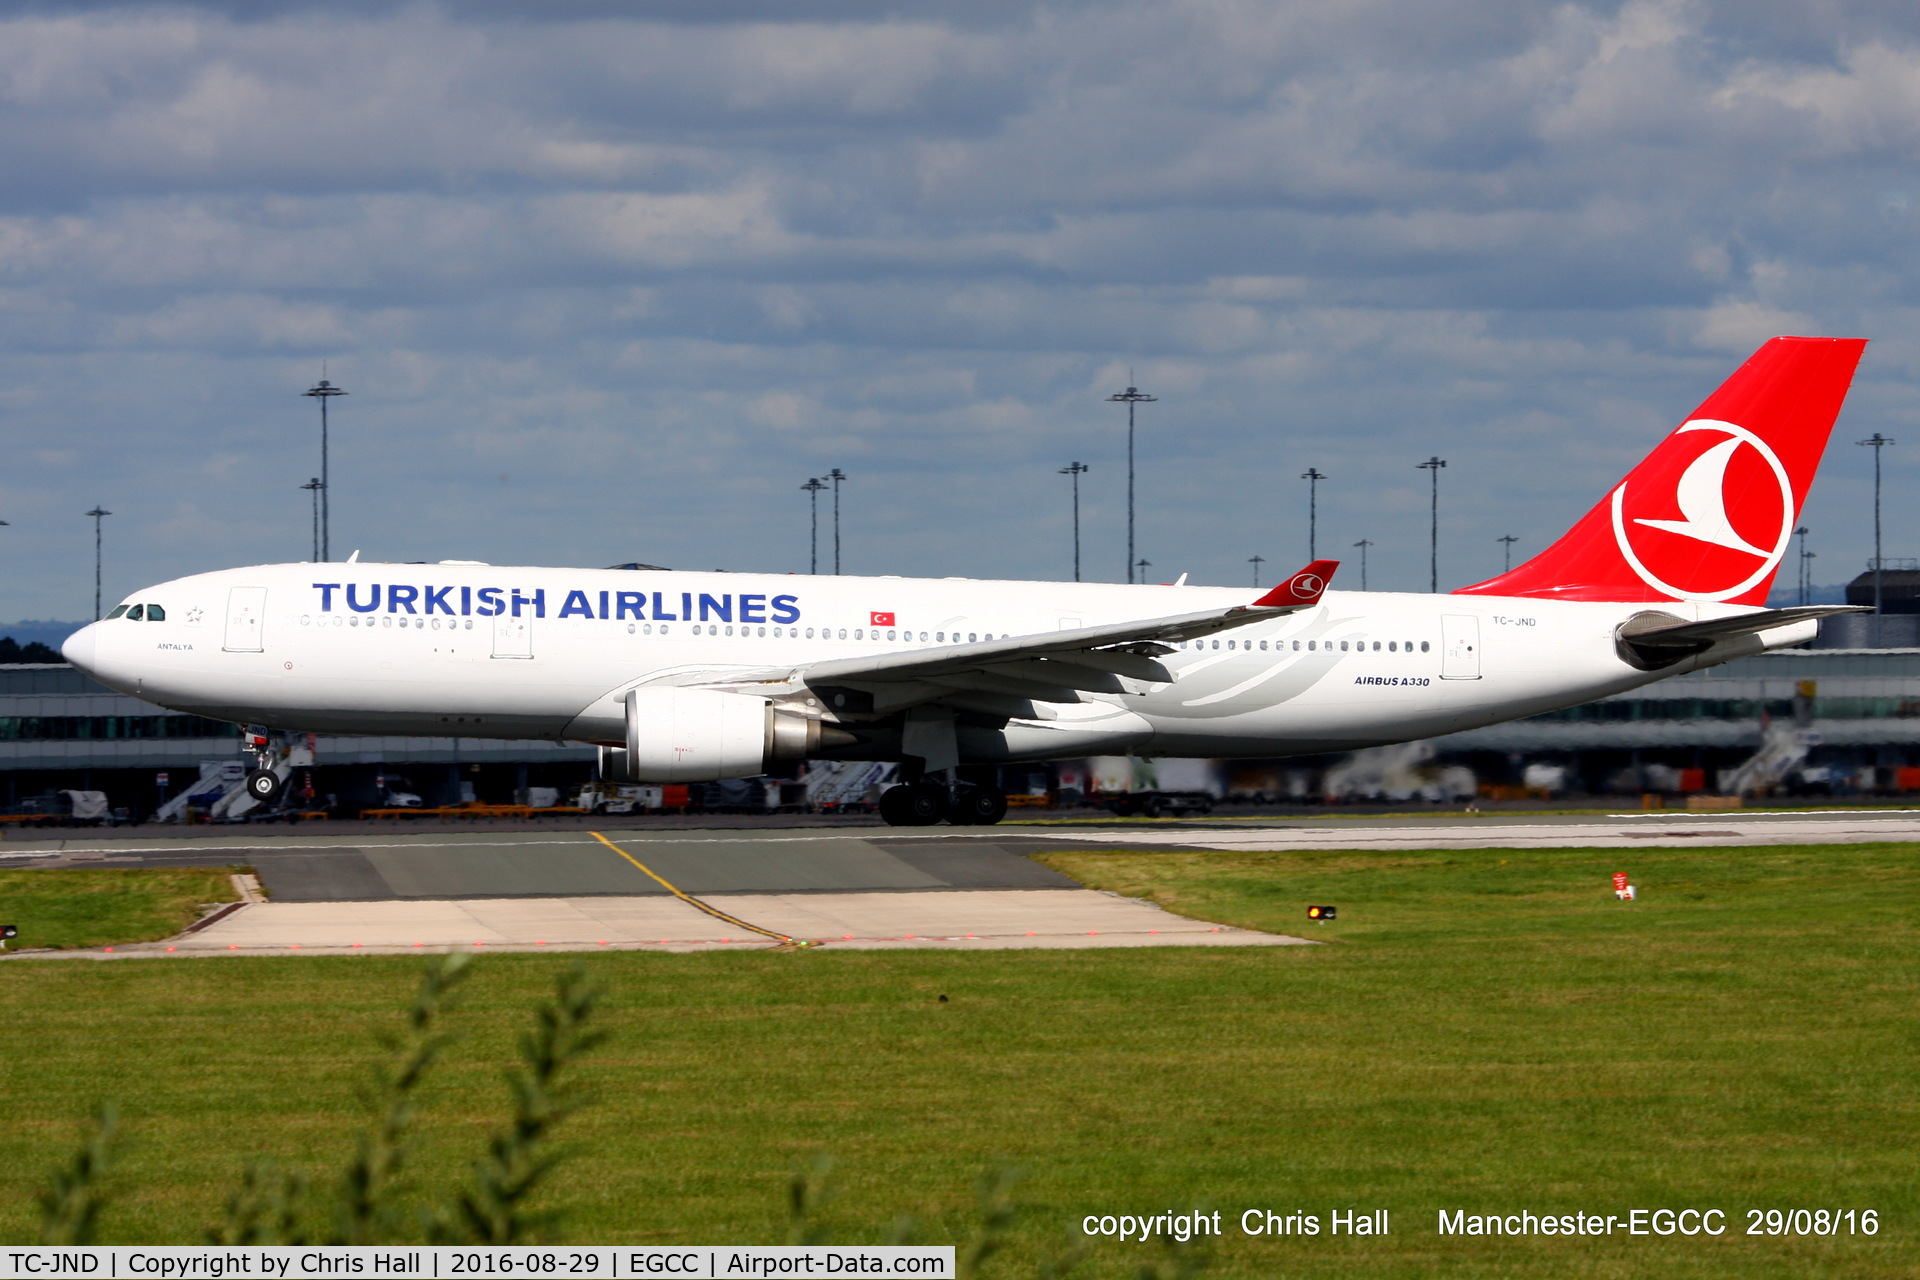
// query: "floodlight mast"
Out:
[1432,467]
[1130,397]
[97,513]
[324,391]
[1876,442]
[1509,540]
[1076,470]
[836,475]
[1363,544]
[1805,584]
[1256,562]
[813,486]
[1313,476]
[314,486]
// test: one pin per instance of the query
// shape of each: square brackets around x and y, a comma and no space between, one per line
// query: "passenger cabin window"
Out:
[1423,646]
[117,611]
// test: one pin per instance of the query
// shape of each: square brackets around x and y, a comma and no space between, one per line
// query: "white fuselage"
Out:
[488,651]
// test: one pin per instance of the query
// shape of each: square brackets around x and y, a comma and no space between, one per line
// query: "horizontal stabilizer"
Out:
[1660,633]
[1654,640]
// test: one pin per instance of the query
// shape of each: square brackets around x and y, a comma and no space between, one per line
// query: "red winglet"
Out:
[1304,587]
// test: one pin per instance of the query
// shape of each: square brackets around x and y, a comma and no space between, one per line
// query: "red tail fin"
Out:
[1709,513]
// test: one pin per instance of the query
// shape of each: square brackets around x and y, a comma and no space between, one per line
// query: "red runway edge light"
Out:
[1322,913]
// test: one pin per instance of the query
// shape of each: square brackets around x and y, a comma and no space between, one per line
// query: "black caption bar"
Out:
[374,1262]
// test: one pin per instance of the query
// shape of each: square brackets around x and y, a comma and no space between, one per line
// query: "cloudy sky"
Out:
[608,282]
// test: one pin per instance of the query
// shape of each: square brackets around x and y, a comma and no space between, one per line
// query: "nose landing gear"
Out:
[263,784]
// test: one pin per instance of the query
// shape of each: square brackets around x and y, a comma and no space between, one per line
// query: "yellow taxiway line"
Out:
[688,898]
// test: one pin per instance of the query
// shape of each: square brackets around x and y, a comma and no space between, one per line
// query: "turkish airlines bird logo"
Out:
[1305,586]
[1722,561]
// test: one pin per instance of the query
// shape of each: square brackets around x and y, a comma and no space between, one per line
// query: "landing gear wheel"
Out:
[896,806]
[913,805]
[264,786]
[979,807]
[927,805]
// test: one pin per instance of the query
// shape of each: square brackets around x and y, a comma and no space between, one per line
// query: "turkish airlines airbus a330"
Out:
[690,676]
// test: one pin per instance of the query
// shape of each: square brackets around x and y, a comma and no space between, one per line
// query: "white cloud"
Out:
[667,270]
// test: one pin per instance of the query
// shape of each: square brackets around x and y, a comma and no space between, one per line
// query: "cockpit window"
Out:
[156,614]
[133,614]
[117,611]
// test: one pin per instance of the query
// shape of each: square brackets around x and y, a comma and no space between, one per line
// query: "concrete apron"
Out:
[993,919]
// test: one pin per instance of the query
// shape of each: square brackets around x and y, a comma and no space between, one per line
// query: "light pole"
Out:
[812,487]
[1130,397]
[836,475]
[1313,476]
[1256,562]
[1805,584]
[1509,540]
[314,486]
[1076,470]
[1363,544]
[97,513]
[1876,442]
[324,391]
[1432,466]
[1142,564]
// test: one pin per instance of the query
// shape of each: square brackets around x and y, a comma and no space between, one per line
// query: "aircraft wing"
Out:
[1009,676]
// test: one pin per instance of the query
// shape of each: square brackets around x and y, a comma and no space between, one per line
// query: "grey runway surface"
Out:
[575,864]
[305,865]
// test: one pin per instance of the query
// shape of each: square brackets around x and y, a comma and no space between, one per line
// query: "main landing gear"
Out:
[923,804]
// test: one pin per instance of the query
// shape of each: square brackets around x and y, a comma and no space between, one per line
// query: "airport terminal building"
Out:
[61,729]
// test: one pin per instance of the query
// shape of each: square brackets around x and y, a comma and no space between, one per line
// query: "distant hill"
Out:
[48,633]
[1788,595]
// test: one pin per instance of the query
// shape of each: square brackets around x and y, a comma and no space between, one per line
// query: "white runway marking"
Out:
[1627,829]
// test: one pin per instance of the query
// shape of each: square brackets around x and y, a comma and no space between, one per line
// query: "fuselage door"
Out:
[246,618]
[1459,646]
[512,637]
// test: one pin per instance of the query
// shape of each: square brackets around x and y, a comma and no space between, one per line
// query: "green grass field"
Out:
[88,907]
[1485,1031]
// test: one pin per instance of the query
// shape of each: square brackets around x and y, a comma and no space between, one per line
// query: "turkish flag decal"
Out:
[881,620]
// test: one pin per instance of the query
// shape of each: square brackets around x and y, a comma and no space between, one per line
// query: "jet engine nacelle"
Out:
[702,735]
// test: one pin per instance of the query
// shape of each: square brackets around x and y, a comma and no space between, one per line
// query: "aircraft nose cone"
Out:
[79,646]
